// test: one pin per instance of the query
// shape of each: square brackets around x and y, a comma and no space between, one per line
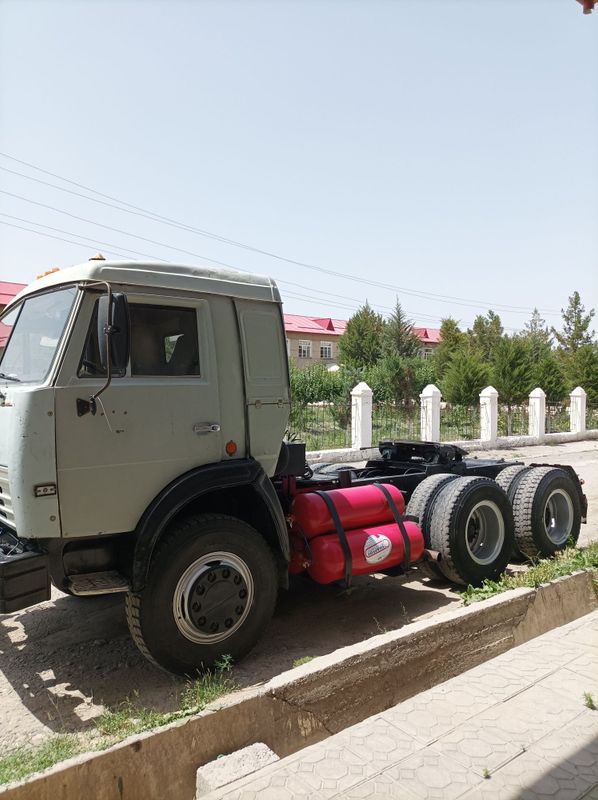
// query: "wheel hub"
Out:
[213,597]
[484,532]
[217,599]
[558,517]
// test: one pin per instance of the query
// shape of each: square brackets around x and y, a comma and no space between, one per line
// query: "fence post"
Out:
[361,416]
[577,410]
[489,414]
[537,413]
[430,413]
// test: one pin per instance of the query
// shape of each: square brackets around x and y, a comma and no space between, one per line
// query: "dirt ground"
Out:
[62,660]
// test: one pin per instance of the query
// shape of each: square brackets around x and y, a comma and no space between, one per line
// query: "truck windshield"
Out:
[30,333]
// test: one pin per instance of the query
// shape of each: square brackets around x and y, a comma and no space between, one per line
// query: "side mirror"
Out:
[113,319]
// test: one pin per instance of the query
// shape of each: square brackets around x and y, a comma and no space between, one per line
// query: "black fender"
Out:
[191,486]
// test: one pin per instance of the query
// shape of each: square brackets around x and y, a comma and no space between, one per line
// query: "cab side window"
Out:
[164,340]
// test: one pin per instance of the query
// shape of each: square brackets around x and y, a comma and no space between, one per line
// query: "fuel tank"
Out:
[357,507]
[373,549]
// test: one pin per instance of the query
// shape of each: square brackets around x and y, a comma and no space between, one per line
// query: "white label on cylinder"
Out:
[377,547]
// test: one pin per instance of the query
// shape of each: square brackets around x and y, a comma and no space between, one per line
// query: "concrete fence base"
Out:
[348,454]
[305,705]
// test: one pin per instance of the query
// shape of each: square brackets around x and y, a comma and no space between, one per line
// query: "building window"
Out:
[325,349]
[427,352]
[304,349]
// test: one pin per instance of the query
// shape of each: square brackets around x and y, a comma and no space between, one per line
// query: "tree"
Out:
[582,370]
[452,339]
[511,374]
[464,379]
[576,324]
[546,372]
[537,337]
[399,338]
[486,333]
[361,344]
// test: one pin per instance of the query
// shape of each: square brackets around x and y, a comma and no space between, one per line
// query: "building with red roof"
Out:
[314,340]
[8,290]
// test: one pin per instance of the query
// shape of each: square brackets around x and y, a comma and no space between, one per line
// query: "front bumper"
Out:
[24,575]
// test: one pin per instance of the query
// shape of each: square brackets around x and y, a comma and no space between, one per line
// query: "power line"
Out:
[95,242]
[50,236]
[138,211]
[115,247]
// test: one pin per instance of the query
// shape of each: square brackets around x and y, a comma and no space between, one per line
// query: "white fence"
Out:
[431,410]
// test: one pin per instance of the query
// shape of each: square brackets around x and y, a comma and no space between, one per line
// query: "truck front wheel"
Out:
[210,592]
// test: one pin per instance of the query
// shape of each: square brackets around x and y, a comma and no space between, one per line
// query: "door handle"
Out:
[206,427]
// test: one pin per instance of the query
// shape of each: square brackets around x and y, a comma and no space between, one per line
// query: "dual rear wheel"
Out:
[477,524]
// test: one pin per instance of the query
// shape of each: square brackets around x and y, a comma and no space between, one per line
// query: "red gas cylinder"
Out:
[373,549]
[356,506]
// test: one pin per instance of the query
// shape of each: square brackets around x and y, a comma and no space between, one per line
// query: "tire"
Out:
[509,479]
[420,506]
[547,512]
[472,528]
[331,470]
[202,554]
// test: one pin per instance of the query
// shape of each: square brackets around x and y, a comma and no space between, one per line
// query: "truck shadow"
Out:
[62,660]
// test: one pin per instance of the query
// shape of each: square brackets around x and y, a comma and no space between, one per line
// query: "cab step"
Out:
[98,583]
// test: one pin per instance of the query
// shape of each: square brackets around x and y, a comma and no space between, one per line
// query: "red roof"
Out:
[428,335]
[316,326]
[9,290]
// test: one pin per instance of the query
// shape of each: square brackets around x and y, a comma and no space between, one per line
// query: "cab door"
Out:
[155,422]
[265,368]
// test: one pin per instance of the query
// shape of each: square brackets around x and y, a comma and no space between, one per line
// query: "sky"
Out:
[444,153]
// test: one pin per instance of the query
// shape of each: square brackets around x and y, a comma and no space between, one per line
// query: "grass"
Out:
[485,773]
[117,723]
[128,718]
[304,660]
[589,701]
[25,760]
[566,562]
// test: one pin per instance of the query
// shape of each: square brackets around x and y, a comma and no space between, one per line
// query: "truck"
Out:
[143,413]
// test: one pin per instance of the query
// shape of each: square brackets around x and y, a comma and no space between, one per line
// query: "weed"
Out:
[129,718]
[305,660]
[25,760]
[589,701]
[485,773]
[543,571]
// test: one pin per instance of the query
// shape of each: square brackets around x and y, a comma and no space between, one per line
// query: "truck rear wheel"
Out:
[547,512]
[472,528]
[210,592]
[420,506]
[509,479]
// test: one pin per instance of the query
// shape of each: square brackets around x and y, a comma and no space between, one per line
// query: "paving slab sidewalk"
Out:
[515,727]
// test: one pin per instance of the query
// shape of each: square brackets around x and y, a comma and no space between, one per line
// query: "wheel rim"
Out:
[485,532]
[213,597]
[558,516]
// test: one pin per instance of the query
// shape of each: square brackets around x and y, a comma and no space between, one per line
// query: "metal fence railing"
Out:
[513,421]
[322,426]
[557,417]
[459,422]
[390,421]
[591,417]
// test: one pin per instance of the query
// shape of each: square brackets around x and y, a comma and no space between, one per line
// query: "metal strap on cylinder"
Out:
[400,524]
[341,535]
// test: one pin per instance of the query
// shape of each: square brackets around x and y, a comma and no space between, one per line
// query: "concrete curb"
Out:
[349,454]
[306,704]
